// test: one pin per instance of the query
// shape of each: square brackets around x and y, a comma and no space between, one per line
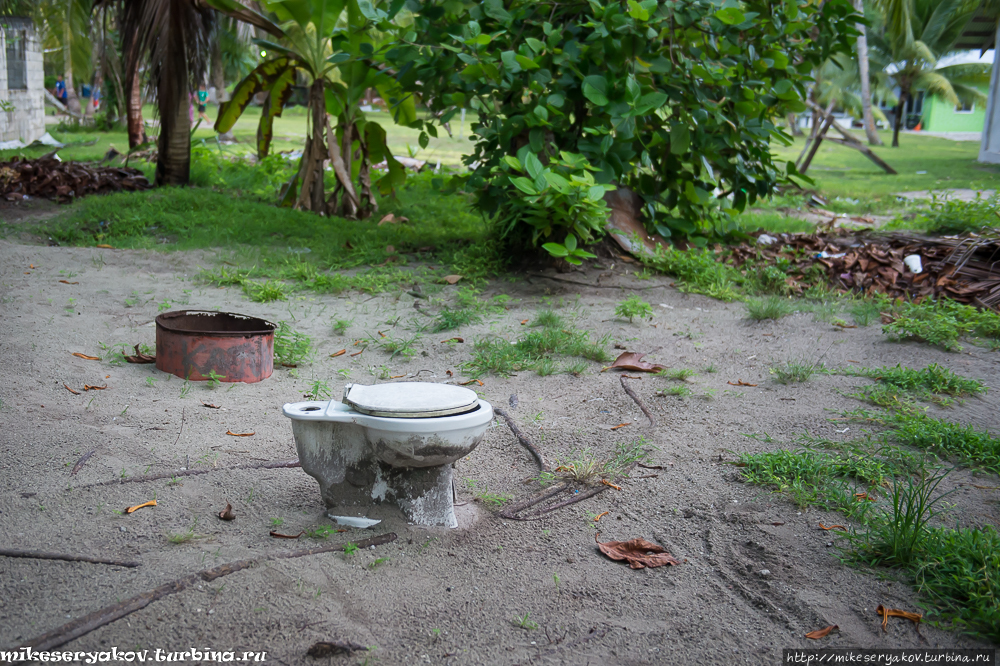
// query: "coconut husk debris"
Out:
[963,268]
[51,178]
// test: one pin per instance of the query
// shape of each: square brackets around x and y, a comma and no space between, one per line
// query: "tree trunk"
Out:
[72,102]
[312,195]
[98,75]
[793,124]
[136,125]
[898,120]
[218,76]
[866,90]
[173,160]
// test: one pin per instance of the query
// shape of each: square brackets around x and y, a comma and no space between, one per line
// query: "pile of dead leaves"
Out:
[51,178]
[965,269]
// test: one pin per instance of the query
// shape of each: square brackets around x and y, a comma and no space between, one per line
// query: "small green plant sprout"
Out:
[214,379]
[321,532]
[185,388]
[436,633]
[485,496]
[795,371]
[676,391]
[340,326]
[291,347]
[525,622]
[318,390]
[345,373]
[70,306]
[350,548]
[374,564]
[150,381]
[397,346]
[710,368]
[265,292]
[277,522]
[769,307]
[555,579]
[633,307]
[677,374]
[548,319]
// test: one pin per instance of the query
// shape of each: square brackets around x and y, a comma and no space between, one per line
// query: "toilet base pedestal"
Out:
[424,494]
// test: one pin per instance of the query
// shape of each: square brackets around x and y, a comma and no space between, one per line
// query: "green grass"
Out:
[943,323]
[968,444]
[533,351]
[548,319]
[394,346]
[698,272]
[449,319]
[291,347]
[946,215]
[676,391]
[898,386]
[795,371]
[677,374]
[768,307]
[633,307]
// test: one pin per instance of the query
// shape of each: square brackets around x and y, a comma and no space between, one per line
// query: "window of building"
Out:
[17,62]
[964,107]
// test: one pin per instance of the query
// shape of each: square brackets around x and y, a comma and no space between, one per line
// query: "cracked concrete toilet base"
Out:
[367,460]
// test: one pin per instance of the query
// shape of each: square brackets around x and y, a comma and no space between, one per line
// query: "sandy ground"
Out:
[757,574]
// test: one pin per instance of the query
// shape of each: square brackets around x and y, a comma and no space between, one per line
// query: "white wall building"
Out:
[22,104]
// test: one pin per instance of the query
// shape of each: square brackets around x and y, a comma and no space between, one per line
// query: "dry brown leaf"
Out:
[140,357]
[863,496]
[886,613]
[140,506]
[210,406]
[621,425]
[820,633]
[524,321]
[777,524]
[104,246]
[396,376]
[639,553]
[610,485]
[452,279]
[71,390]
[840,324]
[241,434]
[470,382]
[381,334]
[832,527]
[449,373]
[338,353]
[392,219]
[68,282]
[459,340]
[600,515]
[358,352]
[89,358]
[88,387]
[279,535]
[227,513]
[633,361]
[740,382]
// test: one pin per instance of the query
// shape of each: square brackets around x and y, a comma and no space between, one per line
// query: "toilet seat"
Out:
[410,400]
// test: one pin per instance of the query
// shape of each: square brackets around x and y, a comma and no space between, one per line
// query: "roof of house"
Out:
[980,33]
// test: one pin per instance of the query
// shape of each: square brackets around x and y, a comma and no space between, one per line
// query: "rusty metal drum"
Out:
[201,344]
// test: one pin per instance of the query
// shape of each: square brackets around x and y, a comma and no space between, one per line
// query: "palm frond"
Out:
[969,73]
[968,94]
[936,85]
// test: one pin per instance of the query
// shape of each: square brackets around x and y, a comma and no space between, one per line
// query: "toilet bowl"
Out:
[389,444]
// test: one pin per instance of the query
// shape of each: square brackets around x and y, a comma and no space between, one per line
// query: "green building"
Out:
[941,116]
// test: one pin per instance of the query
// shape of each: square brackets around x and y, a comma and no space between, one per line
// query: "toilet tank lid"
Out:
[410,399]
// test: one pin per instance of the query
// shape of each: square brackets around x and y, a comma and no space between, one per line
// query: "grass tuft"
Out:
[768,307]
[795,371]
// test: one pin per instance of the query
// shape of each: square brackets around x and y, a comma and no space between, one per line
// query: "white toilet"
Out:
[389,443]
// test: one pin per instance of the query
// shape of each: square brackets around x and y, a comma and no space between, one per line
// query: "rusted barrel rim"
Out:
[267,328]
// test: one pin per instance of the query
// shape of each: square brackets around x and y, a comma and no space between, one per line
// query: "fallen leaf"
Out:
[396,376]
[279,535]
[227,513]
[832,527]
[211,406]
[459,340]
[357,353]
[524,321]
[621,425]
[470,382]
[71,390]
[449,373]
[31,266]
[68,282]
[863,496]
[842,325]
[140,357]
[140,506]
[241,434]
[650,466]
[338,353]
[740,382]
[600,515]
[610,485]
[392,219]
[820,633]
[324,649]
[639,553]
[886,613]
[633,361]
[452,279]
[105,247]
[89,358]
[381,334]
[88,387]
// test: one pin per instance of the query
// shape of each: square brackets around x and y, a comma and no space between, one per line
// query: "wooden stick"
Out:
[525,442]
[638,401]
[82,461]
[43,555]
[815,145]
[277,464]
[851,141]
[88,623]
[517,507]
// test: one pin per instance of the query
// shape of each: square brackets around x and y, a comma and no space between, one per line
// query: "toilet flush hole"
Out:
[310,409]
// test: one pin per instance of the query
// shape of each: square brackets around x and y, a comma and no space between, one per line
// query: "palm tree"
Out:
[331,44]
[917,34]
[865,77]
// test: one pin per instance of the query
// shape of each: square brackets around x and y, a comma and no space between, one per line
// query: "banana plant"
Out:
[332,45]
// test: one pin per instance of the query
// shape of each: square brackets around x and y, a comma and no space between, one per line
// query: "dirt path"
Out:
[758,573]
